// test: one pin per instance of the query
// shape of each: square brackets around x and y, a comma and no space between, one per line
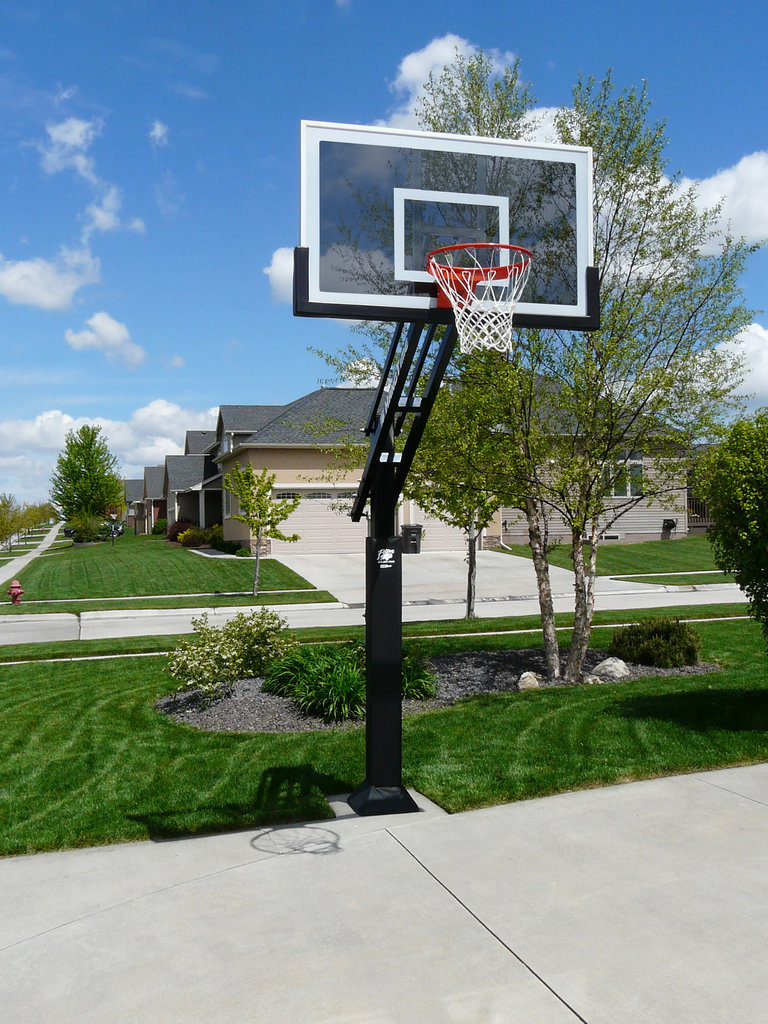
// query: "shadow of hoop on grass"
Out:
[280,795]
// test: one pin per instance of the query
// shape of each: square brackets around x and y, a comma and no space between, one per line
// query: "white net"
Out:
[482,282]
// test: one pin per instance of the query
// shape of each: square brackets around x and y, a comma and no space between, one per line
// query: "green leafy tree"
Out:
[569,416]
[463,501]
[86,480]
[260,512]
[733,479]
[11,519]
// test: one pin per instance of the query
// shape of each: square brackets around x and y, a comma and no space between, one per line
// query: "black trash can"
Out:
[411,533]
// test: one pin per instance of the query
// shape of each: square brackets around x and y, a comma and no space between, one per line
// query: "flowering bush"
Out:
[218,655]
[192,538]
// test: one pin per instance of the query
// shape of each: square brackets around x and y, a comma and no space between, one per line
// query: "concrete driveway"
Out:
[441,576]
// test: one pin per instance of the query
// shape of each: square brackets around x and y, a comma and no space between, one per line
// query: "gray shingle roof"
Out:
[325,416]
[153,481]
[133,490]
[185,471]
[198,442]
[246,418]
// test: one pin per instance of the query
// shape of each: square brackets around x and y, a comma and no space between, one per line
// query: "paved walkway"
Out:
[639,904]
[10,570]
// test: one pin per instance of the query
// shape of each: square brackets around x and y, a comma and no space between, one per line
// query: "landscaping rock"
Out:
[612,669]
[529,681]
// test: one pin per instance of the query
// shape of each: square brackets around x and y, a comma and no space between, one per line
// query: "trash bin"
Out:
[411,538]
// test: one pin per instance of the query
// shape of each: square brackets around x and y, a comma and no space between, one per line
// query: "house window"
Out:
[626,480]
[286,495]
[227,505]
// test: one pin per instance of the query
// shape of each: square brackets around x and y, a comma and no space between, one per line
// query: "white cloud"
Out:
[177,362]
[67,149]
[158,134]
[110,337]
[68,145]
[30,447]
[280,274]
[753,344]
[104,215]
[48,284]
[416,67]
[743,190]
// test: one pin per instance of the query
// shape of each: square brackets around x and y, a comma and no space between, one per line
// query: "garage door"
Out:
[320,525]
[437,535]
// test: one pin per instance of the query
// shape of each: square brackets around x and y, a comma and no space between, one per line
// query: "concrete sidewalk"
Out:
[434,587]
[644,903]
[11,569]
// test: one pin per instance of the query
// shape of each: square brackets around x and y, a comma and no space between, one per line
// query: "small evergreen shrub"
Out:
[662,642]
[243,553]
[419,681]
[218,655]
[328,680]
[160,527]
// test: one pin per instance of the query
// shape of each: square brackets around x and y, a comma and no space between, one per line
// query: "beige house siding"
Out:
[298,470]
[643,522]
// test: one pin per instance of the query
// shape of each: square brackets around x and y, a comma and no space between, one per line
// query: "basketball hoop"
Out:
[482,281]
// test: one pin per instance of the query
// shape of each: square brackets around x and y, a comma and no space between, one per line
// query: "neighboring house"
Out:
[645,521]
[297,443]
[133,495]
[155,506]
[192,489]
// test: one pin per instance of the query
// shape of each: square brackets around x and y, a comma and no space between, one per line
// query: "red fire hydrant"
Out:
[15,591]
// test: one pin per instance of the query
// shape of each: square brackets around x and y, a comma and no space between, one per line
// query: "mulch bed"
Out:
[468,674]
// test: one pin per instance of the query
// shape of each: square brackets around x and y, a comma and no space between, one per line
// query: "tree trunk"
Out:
[471,570]
[538,547]
[584,605]
[256,564]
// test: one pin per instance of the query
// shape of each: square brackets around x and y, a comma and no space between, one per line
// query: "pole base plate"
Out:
[368,800]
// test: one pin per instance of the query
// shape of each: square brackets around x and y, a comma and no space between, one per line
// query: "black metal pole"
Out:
[383,792]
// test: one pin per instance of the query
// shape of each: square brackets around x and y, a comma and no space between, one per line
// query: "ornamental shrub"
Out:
[219,655]
[192,538]
[87,528]
[662,642]
[160,527]
[328,680]
[214,536]
[177,527]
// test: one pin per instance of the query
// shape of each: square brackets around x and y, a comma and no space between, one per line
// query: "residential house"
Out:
[155,505]
[304,444]
[133,495]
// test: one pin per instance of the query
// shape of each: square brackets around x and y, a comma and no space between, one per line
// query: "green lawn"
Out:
[688,579]
[85,759]
[691,554]
[142,566]
[475,633]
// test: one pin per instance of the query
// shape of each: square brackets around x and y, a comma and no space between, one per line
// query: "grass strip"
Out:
[689,554]
[279,597]
[85,759]
[684,579]
[471,629]
[143,567]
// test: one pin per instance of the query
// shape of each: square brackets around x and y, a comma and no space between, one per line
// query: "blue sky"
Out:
[150,183]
